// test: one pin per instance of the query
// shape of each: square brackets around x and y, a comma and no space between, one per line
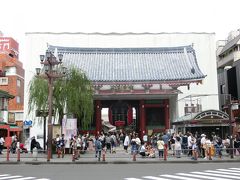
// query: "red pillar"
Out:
[98,117]
[166,109]
[142,123]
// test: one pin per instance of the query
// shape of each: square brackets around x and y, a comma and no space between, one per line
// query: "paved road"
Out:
[118,171]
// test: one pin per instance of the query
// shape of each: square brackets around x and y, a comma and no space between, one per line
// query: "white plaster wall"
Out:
[203,43]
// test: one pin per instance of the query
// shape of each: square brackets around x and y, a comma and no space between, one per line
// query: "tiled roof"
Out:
[133,64]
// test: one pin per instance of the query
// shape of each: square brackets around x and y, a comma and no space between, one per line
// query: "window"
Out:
[19,116]
[18,99]
[222,89]
[4,81]
[18,83]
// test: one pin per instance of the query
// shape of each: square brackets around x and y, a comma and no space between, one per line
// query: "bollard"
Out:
[8,153]
[134,156]
[58,152]
[48,155]
[18,154]
[35,154]
[103,156]
[73,155]
[210,153]
[165,153]
[195,154]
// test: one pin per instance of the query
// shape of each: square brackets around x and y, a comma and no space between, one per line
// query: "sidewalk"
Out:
[120,157]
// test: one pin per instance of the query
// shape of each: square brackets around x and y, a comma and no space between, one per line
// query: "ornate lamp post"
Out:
[51,71]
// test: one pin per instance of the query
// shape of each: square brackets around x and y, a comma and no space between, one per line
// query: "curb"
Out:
[115,162]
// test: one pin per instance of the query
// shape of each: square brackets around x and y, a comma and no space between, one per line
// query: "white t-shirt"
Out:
[126,141]
[145,138]
[1,141]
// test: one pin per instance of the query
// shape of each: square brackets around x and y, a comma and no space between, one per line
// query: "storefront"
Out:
[206,122]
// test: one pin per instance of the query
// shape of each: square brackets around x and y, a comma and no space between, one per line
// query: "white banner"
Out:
[69,128]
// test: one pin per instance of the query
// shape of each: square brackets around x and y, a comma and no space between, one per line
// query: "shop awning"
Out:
[10,127]
[205,118]
[15,128]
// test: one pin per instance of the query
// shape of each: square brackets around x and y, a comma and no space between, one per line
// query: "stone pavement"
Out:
[120,157]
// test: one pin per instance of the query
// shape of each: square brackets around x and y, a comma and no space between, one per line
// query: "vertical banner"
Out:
[69,128]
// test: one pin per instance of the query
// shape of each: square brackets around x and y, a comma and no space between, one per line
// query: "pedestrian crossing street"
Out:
[218,174]
[19,177]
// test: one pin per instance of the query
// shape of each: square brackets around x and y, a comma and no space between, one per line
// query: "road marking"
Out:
[212,174]
[221,172]
[24,178]
[235,168]
[10,177]
[18,177]
[218,174]
[178,177]
[201,176]
[229,170]
[154,178]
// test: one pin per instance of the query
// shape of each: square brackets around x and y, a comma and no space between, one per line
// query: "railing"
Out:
[119,154]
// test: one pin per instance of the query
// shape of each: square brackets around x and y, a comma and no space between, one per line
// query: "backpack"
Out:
[99,145]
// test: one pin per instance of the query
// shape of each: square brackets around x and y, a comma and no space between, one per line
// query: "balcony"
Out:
[228,59]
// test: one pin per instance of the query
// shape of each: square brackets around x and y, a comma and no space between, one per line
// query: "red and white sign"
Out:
[7,43]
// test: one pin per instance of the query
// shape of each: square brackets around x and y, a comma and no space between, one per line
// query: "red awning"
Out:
[15,128]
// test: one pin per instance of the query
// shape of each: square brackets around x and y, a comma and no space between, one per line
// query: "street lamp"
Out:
[51,71]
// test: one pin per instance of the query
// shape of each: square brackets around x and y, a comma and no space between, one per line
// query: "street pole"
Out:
[49,61]
[230,128]
[50,127]
[44,133]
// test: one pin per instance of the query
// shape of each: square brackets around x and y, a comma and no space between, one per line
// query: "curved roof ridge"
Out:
[117,33]
[122,49]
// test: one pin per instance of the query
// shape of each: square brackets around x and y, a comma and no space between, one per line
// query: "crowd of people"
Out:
[177,144]
[194,145]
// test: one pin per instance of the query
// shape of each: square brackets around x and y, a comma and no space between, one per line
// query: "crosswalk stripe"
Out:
[228,170]
[154,178]
[218,174]
[212,174]
[24,178]
[10,177]
[1,175]
[178,177]
[201,176]
[221,172]
[235,168]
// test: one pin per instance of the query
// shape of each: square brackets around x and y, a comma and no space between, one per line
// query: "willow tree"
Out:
[72,95]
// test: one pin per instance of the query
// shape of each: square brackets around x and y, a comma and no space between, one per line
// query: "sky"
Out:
[105,16]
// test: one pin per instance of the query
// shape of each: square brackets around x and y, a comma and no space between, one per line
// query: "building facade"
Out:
[12,79]
[228,69]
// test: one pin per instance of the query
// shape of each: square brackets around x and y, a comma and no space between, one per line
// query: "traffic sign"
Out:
[28,123]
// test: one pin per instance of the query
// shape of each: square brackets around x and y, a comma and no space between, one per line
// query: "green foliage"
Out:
[72,94]
[38,94]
